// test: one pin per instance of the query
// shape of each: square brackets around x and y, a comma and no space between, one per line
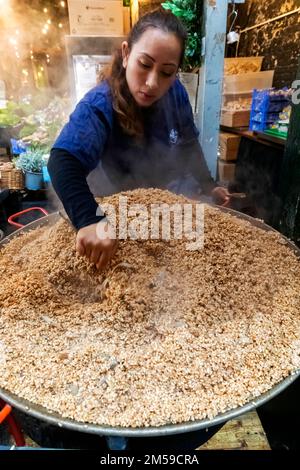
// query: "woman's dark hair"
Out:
[129,114]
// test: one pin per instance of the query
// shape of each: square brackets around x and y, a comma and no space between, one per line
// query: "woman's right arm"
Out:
[68,177]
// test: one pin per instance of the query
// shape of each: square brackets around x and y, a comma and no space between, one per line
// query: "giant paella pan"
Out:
[165,341]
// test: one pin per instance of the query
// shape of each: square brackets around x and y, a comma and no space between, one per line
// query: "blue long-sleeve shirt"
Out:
[93,156]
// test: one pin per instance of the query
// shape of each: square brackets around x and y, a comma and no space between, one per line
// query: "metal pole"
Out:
[211,78]
[290,175]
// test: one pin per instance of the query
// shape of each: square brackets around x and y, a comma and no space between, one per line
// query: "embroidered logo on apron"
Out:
[173,137]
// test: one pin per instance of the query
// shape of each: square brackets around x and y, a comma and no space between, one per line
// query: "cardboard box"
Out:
[226,171]
[246,82]
[235,118]
[227,155]
[229,146]
[96,17]
[229,140]
[190,82]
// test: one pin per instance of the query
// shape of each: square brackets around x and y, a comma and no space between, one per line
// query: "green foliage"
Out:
[53,129]
[33,159]
[9,115]
[28,129]
[190,13]
[8,119]
[13,113]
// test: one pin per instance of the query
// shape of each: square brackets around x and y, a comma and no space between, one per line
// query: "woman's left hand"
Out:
[220,196]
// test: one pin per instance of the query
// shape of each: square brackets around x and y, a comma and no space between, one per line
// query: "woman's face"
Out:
[151,65]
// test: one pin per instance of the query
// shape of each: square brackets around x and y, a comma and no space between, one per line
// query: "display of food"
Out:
[33,122]
[43,125]
[164,335]
[240,65]
[282,124]
[239,104]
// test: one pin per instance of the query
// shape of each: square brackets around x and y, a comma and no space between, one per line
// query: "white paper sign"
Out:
[86,72]
[96,17]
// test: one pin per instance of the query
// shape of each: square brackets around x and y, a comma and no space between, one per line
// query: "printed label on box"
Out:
[96,17]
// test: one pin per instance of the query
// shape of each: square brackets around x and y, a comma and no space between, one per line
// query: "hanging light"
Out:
[233,36]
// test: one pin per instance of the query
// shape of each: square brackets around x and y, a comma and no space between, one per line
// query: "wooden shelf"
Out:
[243,433]
[257,136]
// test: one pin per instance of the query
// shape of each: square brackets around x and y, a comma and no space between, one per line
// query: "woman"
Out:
[136,127]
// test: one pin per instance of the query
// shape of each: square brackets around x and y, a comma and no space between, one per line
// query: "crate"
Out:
[267,106]
[10,177]
[228,146]
[241,65]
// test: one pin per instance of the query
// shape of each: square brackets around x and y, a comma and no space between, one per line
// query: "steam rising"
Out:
[24,47]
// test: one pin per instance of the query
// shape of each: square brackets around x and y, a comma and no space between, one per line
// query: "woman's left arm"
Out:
[193,153]
[198,168]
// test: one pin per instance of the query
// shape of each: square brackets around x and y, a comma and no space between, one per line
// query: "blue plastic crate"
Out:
[266,107]
[18,146]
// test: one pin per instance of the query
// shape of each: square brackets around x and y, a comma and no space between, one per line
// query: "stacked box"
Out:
[226,171]
[228,146]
